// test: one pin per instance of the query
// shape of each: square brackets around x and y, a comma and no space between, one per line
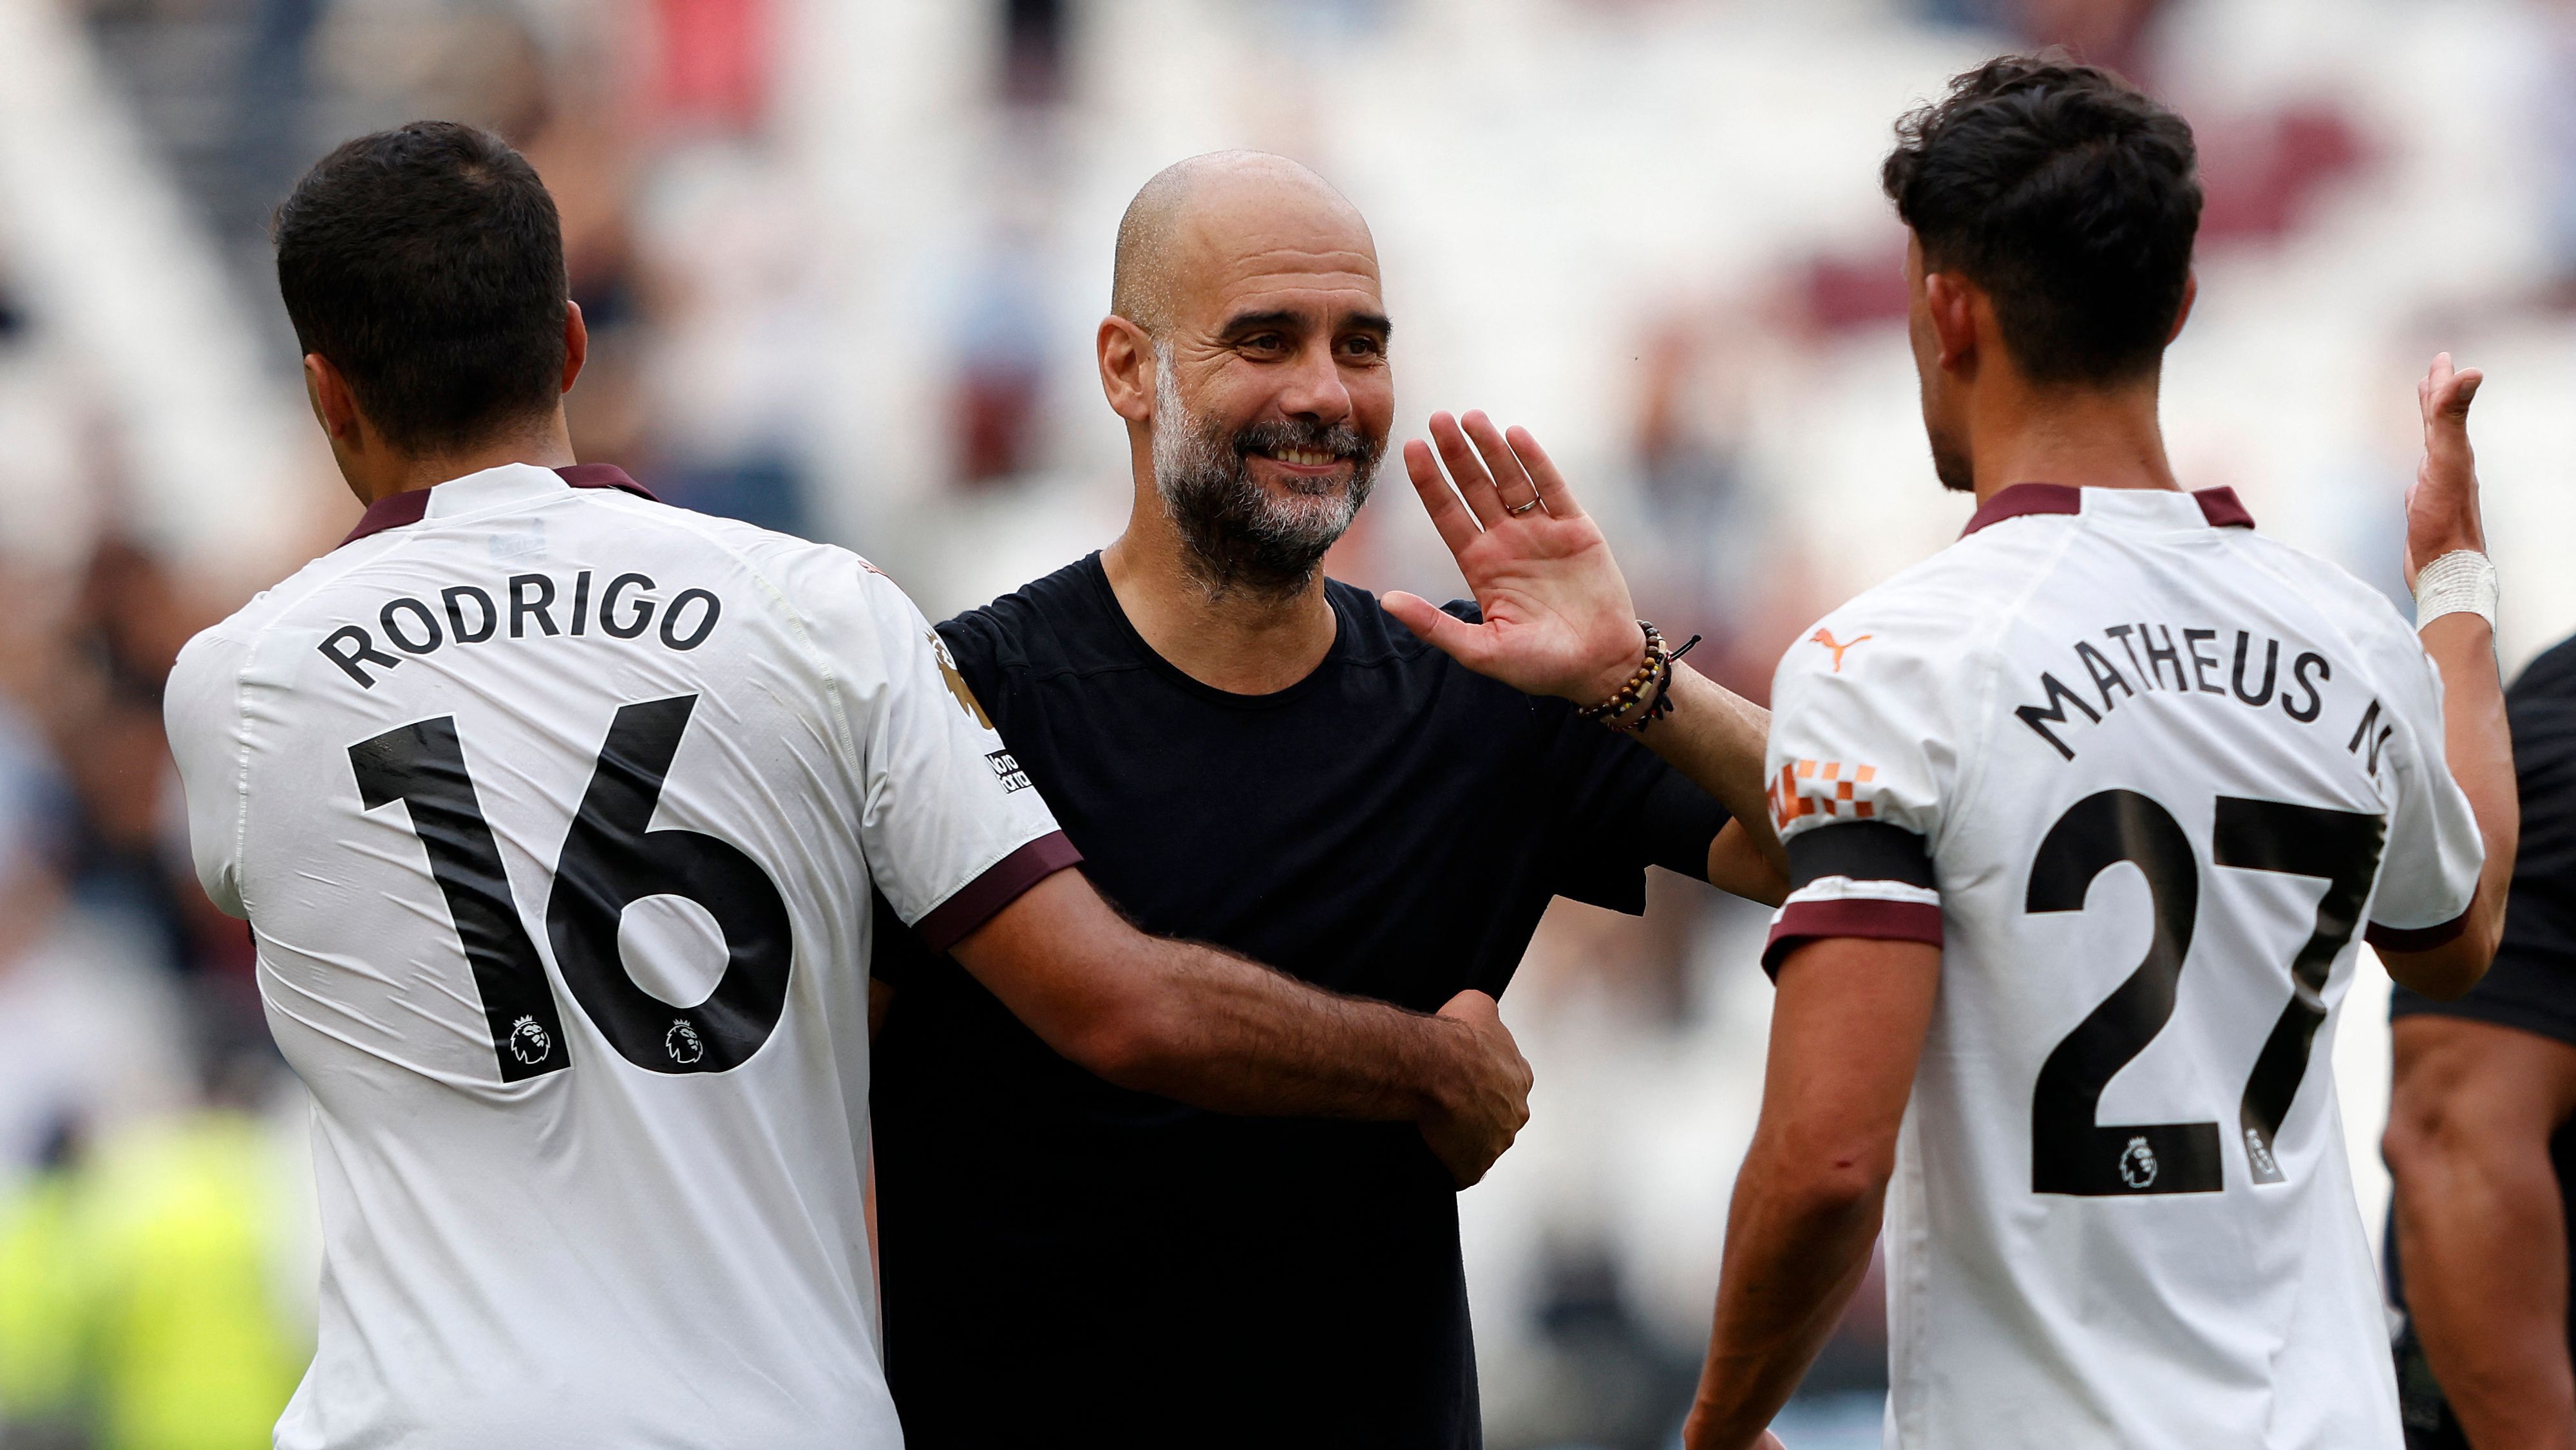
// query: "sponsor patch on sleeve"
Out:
[1006,769]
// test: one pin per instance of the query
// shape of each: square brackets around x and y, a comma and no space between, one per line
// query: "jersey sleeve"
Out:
[200,710]
[1625,810]
[1862,762]
[2429,874]
[950,826]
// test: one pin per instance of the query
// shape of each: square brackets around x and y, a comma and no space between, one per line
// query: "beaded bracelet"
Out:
[1653,680]
[1663,694]
[1628,696]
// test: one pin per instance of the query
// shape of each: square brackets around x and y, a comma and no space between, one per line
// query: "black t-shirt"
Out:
[1064,1259]
[2532,985]
[2533,982]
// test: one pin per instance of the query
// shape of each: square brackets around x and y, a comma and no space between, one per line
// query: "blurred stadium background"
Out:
[842,260]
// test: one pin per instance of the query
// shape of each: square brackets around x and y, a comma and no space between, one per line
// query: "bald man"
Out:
[1248,754]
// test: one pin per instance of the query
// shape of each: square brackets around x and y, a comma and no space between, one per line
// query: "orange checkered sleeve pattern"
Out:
[1853,790]
[1820,787]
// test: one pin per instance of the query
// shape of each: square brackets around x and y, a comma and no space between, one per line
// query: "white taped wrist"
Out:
[2460,582]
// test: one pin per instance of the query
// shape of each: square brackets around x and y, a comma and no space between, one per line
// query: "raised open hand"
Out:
[1557,616]
[2442,505]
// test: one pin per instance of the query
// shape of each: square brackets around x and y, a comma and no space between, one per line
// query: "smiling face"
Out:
[1263,537]
[1272,395]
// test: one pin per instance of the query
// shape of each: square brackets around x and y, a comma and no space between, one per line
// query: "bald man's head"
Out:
[1248,355]
[1189,218]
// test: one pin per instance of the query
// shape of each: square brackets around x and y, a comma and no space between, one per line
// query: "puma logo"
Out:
[1825,637]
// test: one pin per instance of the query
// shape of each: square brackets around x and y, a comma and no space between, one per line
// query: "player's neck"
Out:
[1237,640]
[2086,438]
[375,472]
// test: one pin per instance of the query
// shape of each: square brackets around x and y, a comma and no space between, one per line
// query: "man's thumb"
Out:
[1430,622]
[1471,1004]
[2463,392]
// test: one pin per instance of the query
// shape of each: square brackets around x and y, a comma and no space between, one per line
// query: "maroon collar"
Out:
[396,510]
[2218,505]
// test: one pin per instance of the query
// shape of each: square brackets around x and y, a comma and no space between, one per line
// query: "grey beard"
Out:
[1240,536]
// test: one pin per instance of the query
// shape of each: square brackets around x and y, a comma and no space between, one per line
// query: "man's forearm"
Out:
[1847,1029]
[2493,1324]
[1230,1035]
[1793,1260]
[2480,1229]
[2442,519]
[1213,1030]
[2479,747]
[1716,737]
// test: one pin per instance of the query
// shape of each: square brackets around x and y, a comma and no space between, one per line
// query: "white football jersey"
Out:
[2144,776]
[555,813]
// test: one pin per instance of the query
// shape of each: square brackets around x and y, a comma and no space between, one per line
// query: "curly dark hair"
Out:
[2066,194]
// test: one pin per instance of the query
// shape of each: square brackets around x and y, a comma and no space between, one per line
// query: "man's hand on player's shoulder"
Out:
[1558,619]
[1486,1100]
[2442,506]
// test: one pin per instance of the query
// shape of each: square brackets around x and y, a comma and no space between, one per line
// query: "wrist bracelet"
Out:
[1627,696]
[1651,685]
[1663,693]
[2460,582]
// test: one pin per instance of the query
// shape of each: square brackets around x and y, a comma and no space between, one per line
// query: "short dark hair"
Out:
[427,264]
[2066,194]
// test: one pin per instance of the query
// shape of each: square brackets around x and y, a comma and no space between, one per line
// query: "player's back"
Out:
[553,813]
[2144,774]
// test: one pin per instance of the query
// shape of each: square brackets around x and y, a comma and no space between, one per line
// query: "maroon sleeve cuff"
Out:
[1805,921]
[2415,938]
[980,900]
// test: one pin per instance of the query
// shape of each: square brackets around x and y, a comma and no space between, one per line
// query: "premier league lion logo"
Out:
[2138,1164]
[529,1042]
[682,1043]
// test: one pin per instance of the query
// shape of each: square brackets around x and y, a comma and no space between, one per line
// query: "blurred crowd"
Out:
[841,261]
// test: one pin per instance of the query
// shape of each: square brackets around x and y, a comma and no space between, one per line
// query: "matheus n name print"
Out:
[2162,660]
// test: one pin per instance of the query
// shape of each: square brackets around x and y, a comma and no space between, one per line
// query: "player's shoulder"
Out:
[1971,579]
[2330,586]
[202,678]
[227,644]
[2370,624]
[1930,620]
[785,558]
[205,674]
[1059,623]
[804,577]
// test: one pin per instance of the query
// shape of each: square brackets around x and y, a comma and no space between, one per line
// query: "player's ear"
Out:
[2182,314]
[576,343]
[1126,368]
[1951,305]
[334,406]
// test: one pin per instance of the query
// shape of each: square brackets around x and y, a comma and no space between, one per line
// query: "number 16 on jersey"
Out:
[610,860]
